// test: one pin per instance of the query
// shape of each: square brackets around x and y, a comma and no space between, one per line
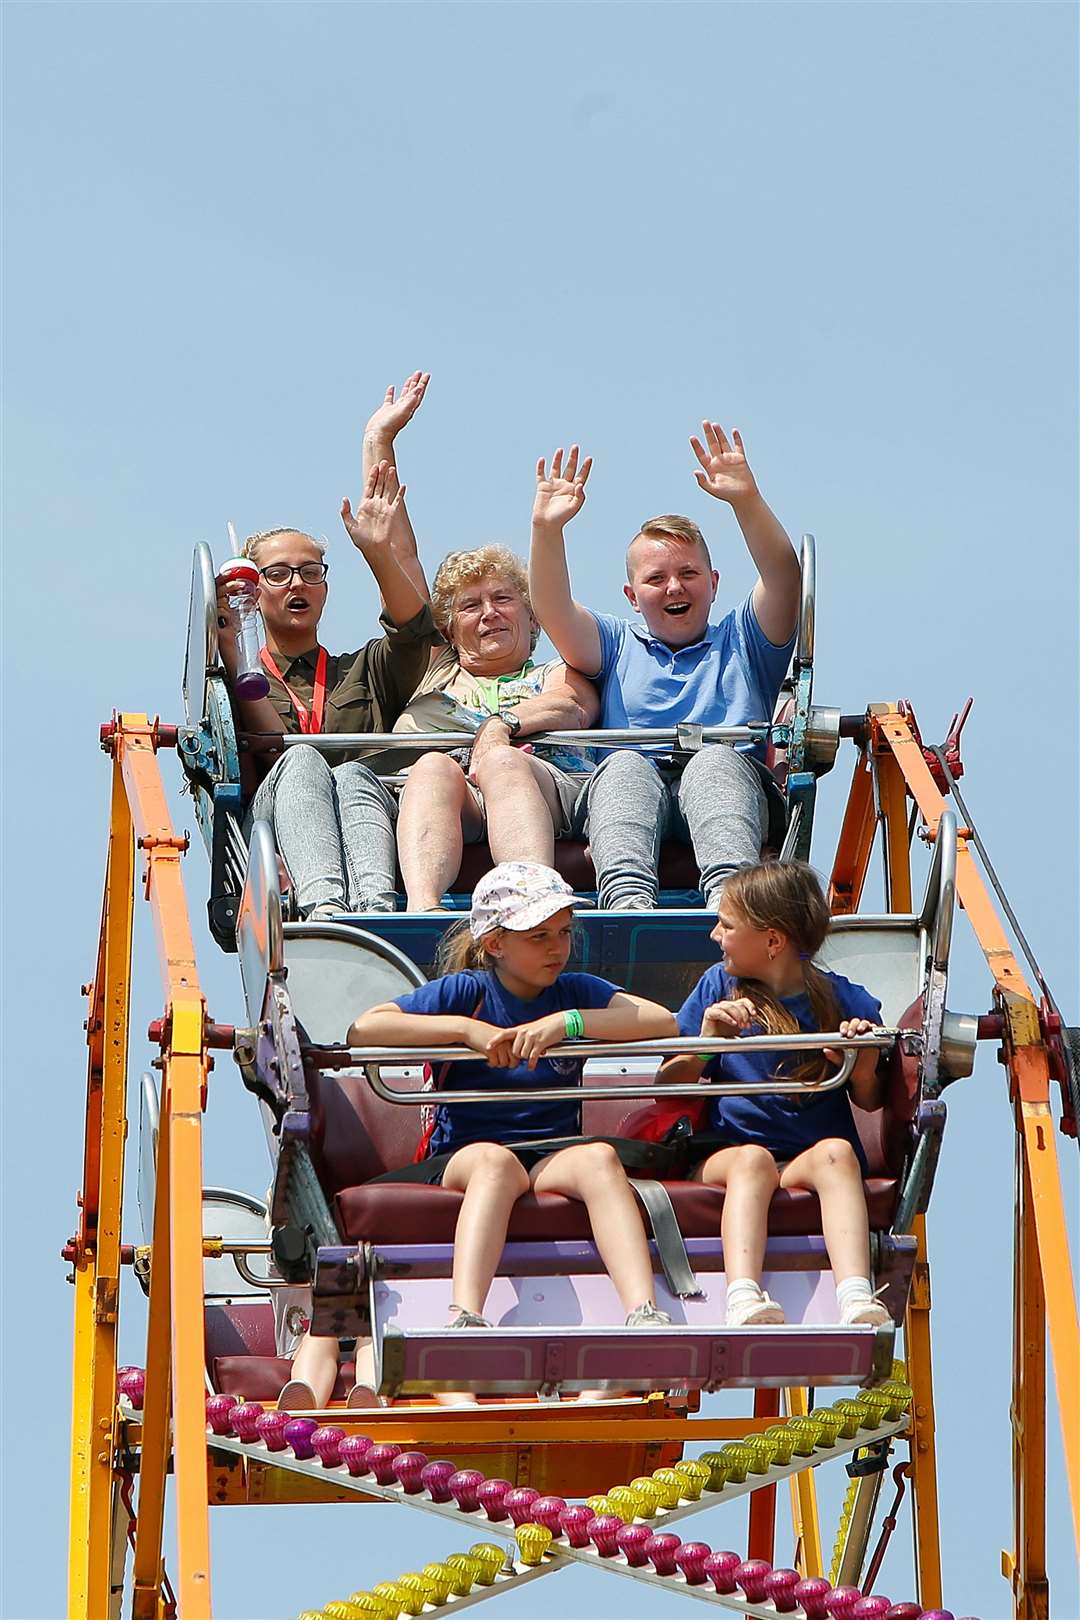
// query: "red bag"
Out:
[654,1122]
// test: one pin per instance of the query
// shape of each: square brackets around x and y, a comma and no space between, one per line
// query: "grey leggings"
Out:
[334,827]
[717,805]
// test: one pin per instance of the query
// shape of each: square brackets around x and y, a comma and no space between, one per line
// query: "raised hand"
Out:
[371,526]
[850,1026]
[726,1019]
[560,497]
[724,471]
[393,414]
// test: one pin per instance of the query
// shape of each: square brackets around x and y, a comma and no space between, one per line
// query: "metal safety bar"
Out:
[627,737]
[375,1058]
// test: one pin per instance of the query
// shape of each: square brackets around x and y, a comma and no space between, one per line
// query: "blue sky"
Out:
[848,229]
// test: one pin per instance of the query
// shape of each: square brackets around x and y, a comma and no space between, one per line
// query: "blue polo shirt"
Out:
[459,993]
[731,677]
[785,1123]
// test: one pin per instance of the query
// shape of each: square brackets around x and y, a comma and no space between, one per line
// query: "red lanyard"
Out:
[310,724]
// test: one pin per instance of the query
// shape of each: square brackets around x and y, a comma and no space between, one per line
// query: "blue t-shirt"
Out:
[785,1123]
[729,678]
[459,993]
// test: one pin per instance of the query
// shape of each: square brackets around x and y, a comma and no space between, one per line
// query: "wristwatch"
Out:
[509,720]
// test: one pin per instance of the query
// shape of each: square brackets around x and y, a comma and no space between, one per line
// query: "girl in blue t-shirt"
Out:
[506,997]
[772,921]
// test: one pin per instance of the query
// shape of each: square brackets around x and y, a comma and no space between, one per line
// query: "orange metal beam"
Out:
[924,1490]
[761,1535]
[184,1070]
[856,841]
[1025,1567]
[1030,1081]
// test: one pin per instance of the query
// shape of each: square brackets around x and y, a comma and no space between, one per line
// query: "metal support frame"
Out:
[175,1394]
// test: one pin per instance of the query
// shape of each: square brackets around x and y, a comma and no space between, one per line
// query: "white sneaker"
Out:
[754,1310]
[864,1313]
[297,1396]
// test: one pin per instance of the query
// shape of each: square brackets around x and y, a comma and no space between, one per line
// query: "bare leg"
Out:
[831,1169]
[436,810]
[493,1180]
[316,1363]
[593,1174]
[749,1177]
[521,804]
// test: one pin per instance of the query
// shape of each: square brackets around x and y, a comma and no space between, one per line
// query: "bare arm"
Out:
[568,702]
[387,1025]
[725,474]
[723,1020]
[625,1018]
[865,1080]
[572,628]
[383,427]
[371,528]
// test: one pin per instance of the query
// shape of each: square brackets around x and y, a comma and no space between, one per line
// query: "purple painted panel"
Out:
[656,1358]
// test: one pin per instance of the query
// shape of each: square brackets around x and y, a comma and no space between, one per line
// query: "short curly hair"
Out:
[461,568]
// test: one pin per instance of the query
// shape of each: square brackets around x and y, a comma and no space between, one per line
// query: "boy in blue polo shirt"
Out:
[674,666]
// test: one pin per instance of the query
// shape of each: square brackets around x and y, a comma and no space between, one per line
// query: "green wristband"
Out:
[575,1024]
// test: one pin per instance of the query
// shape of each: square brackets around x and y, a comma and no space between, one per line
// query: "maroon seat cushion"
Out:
[410,1212]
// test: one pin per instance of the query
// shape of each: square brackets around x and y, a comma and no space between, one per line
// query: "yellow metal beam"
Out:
[1025,1568]
[808,1558]
[97,1261]
[920,1373]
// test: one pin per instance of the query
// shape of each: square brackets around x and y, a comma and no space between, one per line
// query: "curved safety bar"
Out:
[202,644]
[939,901]
[376,1058]
[804,649]
[260,939]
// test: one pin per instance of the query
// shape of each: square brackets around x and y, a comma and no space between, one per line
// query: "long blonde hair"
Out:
[789,898]
[459,951]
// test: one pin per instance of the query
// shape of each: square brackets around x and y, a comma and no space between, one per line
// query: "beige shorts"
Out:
[567,788]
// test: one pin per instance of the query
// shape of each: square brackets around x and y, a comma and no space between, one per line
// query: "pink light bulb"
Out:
[271,1430]
[463,1488]
[812,1595]
[245,1420]
[720,1568]
[575,1521]
[660,1551]
[518,1503]
[326,1444]
[548,1511]
[904,1611]
[751,1575]
[871,1608]
[780,1587]
[604,1531]
[380,1462]
[691,1558]
[131,1381]
[219,1412]
[354,1450]
[408,1468]
[841,1600]
[631,1540]
[491,1496]
[297,1434]
[435,1477]
[937,1614]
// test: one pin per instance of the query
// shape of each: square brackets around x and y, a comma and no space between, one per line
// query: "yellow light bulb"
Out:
[719,1469]
[624,1502]
[696,1476]
[899,1371]
[671,1484]
[828,1424]
[851,1418]
[650,1495]
[784,1441]
[599,1504]
[388,1591]
[464,1572]
[490,1558]
[442,1580]
[806,1435]
[738,1460]
[762,1449]
[420,1585]
[368,1603]
[533,1542]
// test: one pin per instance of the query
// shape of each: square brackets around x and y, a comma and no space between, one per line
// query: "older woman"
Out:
[332,819]
[522,799]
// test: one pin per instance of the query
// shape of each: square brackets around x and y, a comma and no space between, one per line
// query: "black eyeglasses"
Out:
[312,573]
